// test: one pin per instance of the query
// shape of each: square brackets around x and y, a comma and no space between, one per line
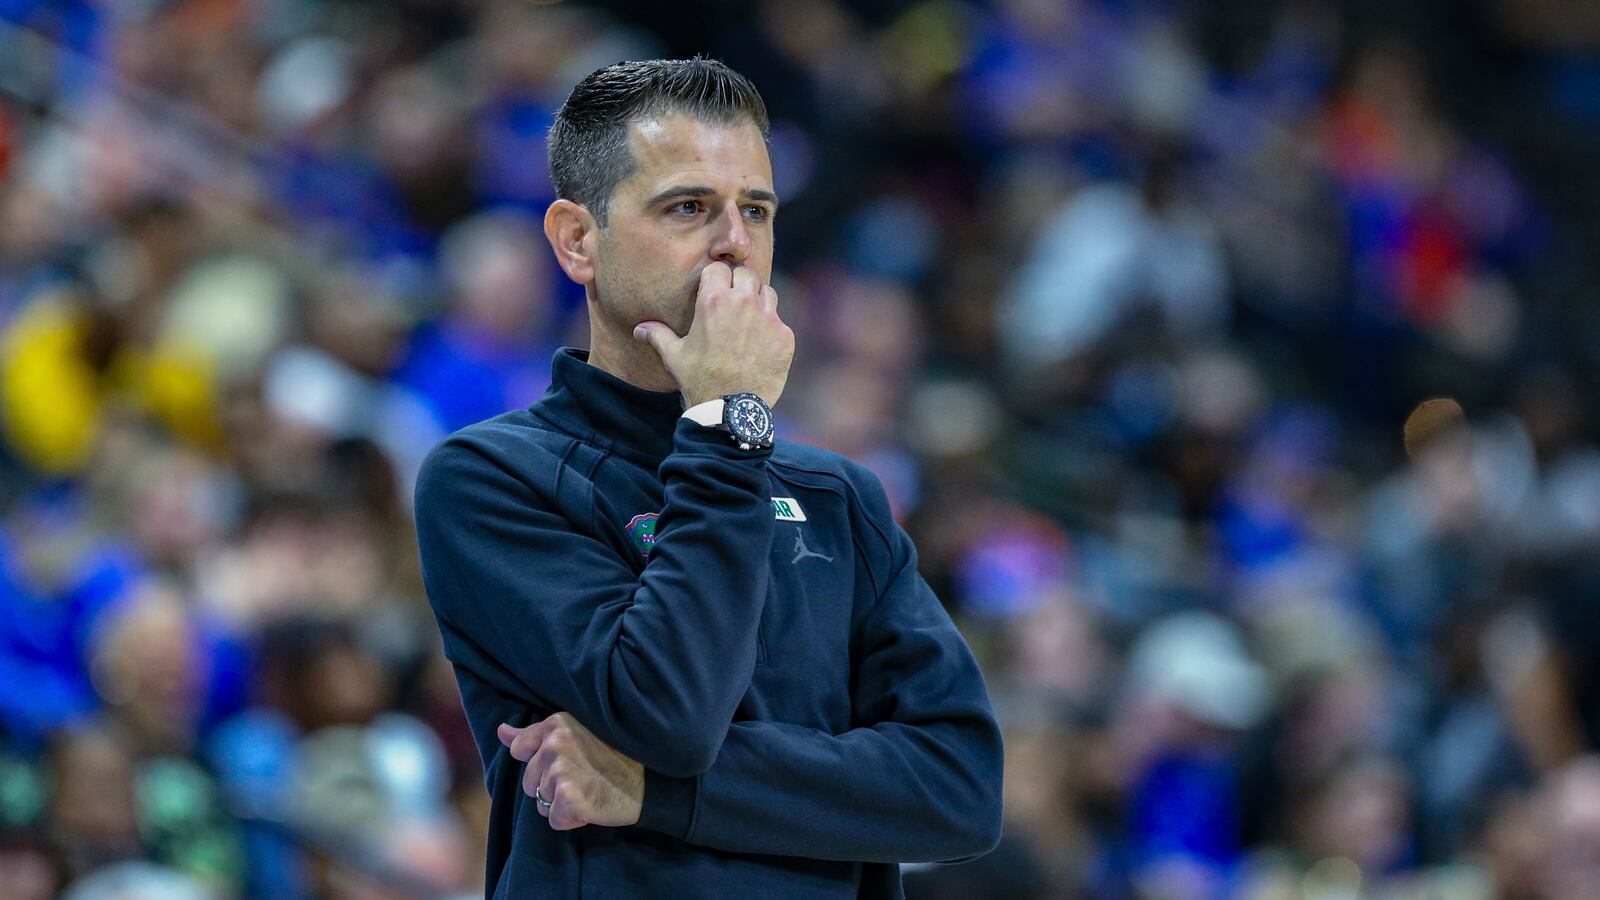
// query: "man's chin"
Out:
[681,323]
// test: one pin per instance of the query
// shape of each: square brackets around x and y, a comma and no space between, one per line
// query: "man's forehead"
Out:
[666,147]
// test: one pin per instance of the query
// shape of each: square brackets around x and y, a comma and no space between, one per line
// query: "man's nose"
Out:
[732,244]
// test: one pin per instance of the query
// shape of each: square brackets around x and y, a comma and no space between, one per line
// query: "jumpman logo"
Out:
[800,551]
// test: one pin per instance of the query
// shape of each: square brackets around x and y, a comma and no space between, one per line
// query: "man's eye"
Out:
[686,208]
[757,213]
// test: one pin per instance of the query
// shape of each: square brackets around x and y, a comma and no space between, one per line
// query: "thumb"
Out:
[658,336]
[506,733]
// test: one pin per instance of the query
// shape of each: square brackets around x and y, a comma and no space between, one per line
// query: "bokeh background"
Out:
[1124,300]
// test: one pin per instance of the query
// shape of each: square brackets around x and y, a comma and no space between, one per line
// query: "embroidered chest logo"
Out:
[801,551]
[642,528]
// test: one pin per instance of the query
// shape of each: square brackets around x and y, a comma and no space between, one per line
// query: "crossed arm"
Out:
[645,736]
[920,783]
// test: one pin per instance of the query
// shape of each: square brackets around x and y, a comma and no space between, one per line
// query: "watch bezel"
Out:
[745,440]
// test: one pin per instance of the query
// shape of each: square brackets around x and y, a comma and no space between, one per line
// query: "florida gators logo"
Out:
[642,528]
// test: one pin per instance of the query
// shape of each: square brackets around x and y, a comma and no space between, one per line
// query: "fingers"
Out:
[508,734]
[554,783]
[658,336]
[745,280]
[563,820]
[532,778]
[564,811]
[522,742]
[715,275]
[546,788]
[542,746]
[550,749]
[734,342]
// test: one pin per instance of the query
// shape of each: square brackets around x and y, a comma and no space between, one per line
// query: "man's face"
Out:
[698,194]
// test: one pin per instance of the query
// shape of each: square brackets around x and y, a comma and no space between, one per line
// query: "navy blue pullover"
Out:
[806,713]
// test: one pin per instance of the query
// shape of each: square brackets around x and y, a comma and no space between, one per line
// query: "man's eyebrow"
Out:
[760,195]
[757,194]
[679,191]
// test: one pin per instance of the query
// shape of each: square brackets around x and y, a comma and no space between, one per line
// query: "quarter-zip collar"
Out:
[599,408]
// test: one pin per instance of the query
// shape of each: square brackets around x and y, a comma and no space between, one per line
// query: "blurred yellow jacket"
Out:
[53,400]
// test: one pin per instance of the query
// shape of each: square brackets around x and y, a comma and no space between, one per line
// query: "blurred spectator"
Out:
[1109,251]
[109,806]
[484,356]
[29,869]
[93,814]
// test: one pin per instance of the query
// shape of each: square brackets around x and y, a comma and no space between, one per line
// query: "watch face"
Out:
[749,419]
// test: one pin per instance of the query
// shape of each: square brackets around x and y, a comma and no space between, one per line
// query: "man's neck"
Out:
[626,358]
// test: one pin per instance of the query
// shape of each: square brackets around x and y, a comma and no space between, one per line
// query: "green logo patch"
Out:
[642,528]
[787,509]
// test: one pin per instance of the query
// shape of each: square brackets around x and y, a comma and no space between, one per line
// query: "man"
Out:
[697,663]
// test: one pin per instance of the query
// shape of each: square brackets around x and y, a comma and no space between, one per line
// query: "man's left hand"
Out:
[585,781]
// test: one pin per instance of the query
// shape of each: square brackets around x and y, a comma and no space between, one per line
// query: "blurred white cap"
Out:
[306,80]
[138,881]
[1197,662]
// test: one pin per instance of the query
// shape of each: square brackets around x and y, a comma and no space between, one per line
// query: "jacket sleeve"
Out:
[653,664]
[917,781]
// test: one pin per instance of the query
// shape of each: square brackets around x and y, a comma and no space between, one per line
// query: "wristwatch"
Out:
[748,419]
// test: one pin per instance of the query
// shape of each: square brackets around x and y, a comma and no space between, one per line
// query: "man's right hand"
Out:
[736,342]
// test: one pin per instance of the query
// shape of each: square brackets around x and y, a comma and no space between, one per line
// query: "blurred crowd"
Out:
[1125,301]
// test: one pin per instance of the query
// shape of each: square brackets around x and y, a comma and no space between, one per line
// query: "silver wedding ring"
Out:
[539,799]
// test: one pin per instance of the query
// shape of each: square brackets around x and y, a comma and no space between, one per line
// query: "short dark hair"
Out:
[588,144]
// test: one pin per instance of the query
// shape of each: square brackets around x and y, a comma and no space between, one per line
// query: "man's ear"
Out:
[572,233]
